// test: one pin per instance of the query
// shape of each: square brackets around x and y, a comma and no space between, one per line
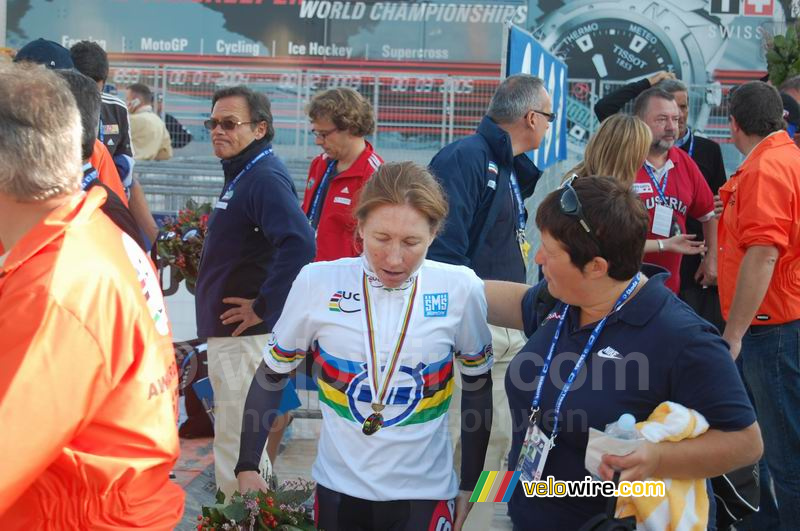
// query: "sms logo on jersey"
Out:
[435,304]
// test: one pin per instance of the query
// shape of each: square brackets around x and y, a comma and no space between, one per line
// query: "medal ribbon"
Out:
[379,395]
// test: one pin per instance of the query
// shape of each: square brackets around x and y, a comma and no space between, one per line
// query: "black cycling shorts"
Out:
[334,511]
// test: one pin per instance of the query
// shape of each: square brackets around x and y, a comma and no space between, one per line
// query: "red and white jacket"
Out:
[336,232]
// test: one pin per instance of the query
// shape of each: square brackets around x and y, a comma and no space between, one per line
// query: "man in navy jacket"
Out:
[487,178]
[258,240]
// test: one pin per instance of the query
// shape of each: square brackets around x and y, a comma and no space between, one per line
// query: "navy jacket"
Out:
[469,170]
[254,247]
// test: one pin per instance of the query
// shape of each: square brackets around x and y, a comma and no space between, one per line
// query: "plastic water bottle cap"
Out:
[626,422]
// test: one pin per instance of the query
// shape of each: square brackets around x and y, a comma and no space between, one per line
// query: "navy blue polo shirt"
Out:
[655,348]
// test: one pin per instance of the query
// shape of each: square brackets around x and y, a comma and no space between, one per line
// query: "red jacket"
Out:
[336,233]
[88,383]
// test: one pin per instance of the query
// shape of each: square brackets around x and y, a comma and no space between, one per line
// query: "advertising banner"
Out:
[525,55]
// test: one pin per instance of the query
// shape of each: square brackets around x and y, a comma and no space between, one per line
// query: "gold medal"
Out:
[374,422]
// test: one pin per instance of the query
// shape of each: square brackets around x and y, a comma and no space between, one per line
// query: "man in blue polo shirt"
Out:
[625,341]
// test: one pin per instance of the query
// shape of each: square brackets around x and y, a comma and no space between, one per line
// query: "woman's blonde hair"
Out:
[618,148]
[404,183]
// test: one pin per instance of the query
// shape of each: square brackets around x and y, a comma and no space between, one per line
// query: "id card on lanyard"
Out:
[662,218]
[227,193]
[524,246]
[537,445]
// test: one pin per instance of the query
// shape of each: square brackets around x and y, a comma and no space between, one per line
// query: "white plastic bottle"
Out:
[624,428]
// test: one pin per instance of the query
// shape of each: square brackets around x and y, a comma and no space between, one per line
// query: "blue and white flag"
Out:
[525,55]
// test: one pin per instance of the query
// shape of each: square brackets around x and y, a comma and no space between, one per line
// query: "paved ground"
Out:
[195,473]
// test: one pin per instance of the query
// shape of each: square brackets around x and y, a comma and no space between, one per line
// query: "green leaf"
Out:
[235,511]
[220,496]
[779,41]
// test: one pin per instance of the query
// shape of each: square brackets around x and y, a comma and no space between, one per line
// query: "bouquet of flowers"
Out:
[282,509]
[181,240]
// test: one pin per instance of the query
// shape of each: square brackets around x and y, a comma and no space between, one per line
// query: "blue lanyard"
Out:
[229,189]
[520,205]
[100,132]
[312,213]
[88,177]
[579,364]
[660,189]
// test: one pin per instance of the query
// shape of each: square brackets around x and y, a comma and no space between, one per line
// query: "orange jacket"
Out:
[106,170]
[762,207]
[88,383]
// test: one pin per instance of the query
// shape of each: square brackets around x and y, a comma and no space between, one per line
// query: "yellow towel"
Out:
[685,506]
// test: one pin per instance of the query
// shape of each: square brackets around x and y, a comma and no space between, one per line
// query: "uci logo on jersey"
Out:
[435,304]
[345,302]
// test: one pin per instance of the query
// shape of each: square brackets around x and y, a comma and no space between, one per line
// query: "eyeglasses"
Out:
[571,206]
[322,135]
[551,116]
[226,124]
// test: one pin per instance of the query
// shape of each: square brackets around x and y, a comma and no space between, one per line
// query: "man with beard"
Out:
[672,188]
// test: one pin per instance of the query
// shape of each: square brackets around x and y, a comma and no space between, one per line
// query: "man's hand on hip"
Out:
[242,313]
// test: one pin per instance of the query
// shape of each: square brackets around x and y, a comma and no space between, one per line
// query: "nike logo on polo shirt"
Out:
[609,353]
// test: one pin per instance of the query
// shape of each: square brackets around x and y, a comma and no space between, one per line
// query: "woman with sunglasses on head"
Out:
[384,330]
[614,341]
[619,147]
[340,119]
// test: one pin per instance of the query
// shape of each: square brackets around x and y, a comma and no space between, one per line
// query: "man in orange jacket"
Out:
[88,384]
[759,279]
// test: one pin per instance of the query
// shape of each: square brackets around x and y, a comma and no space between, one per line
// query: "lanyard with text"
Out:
[227,193]
[579,364]
[380,389]
[524,246]
[315,205]
[662,190]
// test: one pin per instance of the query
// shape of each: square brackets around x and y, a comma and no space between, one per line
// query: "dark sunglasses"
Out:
[551,116]
[570,204]
[226,124]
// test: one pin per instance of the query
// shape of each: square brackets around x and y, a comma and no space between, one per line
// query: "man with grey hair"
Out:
[487,178]
[86,344]
[792,87]
[706,153]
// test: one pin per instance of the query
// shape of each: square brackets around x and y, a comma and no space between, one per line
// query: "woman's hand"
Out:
[463,506]
[684,244]
[638,465]
[251,480]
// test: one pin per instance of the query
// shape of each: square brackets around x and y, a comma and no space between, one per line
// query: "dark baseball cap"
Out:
[47,53]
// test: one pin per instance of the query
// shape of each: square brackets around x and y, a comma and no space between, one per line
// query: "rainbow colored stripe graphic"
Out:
[495,486]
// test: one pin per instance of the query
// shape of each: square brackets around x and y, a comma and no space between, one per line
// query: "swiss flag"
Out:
[759,8]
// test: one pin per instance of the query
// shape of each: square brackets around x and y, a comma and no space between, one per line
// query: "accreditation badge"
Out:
[524,246]
[534,452]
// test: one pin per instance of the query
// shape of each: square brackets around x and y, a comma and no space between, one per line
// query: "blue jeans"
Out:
[771,364]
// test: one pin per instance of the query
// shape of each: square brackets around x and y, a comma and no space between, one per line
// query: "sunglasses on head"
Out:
[227,124]
[570,205]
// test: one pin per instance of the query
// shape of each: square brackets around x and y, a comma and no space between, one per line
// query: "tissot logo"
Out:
[345,301]
[752,8]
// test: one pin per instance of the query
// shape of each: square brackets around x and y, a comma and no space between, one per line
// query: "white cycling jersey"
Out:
[324,315]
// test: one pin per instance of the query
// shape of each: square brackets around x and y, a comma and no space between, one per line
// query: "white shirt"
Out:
[411,456]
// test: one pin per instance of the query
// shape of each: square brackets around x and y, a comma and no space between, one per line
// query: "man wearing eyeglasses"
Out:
[487,178]
[340,119]
[258,240]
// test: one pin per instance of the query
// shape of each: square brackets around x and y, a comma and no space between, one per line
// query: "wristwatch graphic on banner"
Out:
[627,40]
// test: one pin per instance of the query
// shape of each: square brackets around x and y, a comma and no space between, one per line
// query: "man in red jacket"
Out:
[340,119]
[88,383]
